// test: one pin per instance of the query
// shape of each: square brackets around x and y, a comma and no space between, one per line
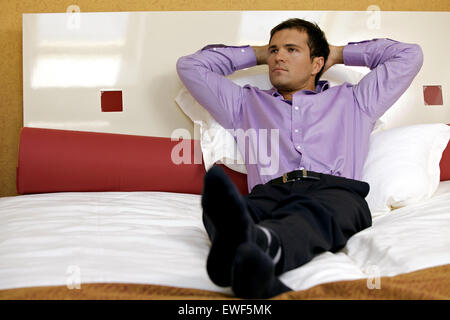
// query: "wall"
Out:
[11,116]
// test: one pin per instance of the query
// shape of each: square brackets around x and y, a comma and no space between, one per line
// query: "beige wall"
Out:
[11,52]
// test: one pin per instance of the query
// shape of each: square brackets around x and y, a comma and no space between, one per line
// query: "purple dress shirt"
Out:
[326,130]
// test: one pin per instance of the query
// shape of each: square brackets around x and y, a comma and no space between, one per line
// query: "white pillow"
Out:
[217,144]
[402,165]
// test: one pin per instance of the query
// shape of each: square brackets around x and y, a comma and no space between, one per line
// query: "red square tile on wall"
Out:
[111,100]
[432,95]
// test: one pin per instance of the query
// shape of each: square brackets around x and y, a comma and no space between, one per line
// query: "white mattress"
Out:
[158,238]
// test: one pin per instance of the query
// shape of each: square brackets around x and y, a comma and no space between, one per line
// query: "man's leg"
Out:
[229,226]
[312,217]
[226,222]
[307,217]
[316,216]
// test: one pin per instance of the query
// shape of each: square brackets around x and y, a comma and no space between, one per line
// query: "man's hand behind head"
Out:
[335,57]
[261,53]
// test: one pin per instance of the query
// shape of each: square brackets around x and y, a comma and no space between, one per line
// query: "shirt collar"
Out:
[321,86]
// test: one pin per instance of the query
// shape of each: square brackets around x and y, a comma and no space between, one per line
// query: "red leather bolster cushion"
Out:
[62,161]
[445,163]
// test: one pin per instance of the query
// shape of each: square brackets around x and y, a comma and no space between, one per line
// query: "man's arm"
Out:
[261,53]
[336,56]
[203,73]
[393,67]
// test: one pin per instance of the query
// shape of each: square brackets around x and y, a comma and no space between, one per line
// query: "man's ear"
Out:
[318,63]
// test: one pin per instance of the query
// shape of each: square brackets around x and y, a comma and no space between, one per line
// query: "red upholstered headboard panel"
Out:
[61,161]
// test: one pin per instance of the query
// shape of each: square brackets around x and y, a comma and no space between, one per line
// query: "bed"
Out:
[116,245]
[122,244]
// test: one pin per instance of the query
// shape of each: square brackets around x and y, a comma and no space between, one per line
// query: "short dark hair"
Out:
[317,42]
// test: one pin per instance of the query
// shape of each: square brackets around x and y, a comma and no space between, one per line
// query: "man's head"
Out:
[298,51]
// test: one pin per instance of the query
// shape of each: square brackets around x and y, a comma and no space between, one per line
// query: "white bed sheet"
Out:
[158,238]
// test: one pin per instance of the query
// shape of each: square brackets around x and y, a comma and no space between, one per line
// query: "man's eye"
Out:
[274,51]
[291,50]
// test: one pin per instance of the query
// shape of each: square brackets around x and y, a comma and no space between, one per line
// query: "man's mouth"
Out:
[278,69]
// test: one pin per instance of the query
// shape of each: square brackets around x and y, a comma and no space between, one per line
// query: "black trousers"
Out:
[310,216]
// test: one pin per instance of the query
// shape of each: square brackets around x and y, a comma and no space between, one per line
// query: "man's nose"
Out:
[280,55]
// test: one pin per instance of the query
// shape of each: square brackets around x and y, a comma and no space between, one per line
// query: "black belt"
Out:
[296,175]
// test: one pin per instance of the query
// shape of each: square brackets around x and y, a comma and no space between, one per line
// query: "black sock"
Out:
[270,243]
[225,213]
[242,254]
[253,274]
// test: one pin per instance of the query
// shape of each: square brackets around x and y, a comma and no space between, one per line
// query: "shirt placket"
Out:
[297,134]
[296,129]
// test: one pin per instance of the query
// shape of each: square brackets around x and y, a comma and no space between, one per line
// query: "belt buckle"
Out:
[311,176]
[304,174]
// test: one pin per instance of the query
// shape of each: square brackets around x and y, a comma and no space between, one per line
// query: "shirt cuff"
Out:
[353,53]
[242,56]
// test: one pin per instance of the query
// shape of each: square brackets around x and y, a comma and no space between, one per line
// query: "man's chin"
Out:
[279,83]
[281,86]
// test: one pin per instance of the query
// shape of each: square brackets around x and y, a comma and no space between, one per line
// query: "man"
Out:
[315,201]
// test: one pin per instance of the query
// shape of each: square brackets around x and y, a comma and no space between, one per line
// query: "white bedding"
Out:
[158,238]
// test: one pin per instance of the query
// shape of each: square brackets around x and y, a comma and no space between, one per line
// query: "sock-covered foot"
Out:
[225,210]
[253,274]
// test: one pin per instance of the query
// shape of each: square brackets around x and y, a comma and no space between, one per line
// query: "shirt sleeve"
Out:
[393,67]
[203,73]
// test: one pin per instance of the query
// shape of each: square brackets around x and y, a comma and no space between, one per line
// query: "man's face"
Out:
[290,65]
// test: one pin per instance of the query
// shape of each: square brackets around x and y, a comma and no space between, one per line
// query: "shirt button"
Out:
[242,50]
[296,108]
[215,49]
[296,130]
[298,147]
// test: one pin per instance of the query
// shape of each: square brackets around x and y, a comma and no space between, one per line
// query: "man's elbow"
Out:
[185,68]
[416,57]
[182,64]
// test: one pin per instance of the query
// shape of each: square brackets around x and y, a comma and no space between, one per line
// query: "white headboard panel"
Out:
[68,59]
